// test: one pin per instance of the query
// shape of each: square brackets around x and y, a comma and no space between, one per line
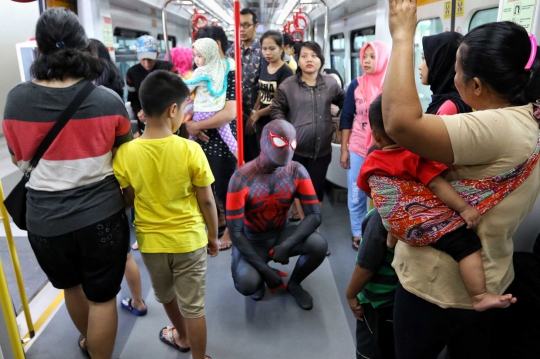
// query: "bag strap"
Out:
[63,119]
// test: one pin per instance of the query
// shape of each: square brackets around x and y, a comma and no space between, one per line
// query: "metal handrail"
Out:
[9,315]
[16,265]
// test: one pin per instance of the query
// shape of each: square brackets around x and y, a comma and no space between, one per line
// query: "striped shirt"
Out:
[374,255]
[73,184]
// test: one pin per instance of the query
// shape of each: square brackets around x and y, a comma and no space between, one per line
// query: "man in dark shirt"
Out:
[252,61]
[147,53]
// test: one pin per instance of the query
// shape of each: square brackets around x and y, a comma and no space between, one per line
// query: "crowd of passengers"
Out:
[450,186]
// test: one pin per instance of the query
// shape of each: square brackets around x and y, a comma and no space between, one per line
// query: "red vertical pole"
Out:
[238,60]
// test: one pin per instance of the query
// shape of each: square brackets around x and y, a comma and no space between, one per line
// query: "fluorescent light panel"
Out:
[286,11]
[219,11]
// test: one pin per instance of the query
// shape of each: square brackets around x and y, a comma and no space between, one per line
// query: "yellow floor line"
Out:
[50,309]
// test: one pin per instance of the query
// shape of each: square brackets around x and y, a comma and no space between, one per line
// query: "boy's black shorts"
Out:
[459,244]
[94,256]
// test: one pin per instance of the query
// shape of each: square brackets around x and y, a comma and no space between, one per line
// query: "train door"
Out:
[358,39]
[425,27]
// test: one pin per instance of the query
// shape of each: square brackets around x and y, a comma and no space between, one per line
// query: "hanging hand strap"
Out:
[59,124]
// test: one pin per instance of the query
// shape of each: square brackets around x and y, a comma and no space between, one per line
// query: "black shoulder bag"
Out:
[15,203]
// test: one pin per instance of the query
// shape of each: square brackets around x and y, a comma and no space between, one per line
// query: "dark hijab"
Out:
[440,54]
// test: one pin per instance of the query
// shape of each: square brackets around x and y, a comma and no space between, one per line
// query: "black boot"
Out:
[303,298]
[259,294]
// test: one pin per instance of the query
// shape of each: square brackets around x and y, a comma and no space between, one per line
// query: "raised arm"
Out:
[404,122]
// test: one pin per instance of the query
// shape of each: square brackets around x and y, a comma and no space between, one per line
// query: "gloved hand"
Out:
[280,254]
[272,278]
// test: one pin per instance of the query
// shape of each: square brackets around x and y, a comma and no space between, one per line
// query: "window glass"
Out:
[337,42]
[161,42]
[424,28]
[338,64]
[483,17]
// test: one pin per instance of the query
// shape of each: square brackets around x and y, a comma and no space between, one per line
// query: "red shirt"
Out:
[398,163]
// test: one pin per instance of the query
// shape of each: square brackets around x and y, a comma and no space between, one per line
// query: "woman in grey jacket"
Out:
[304,100]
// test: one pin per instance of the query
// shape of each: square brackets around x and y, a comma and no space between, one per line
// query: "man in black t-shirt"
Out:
[147,53]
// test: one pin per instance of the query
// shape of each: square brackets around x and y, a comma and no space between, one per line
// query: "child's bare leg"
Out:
[179,323]
[196,331]
[472,272]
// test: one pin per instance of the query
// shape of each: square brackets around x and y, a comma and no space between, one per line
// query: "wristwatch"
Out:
[253,111]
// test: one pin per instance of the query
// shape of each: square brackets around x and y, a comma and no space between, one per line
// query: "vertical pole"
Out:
[16,264]
[165,34]
[11,321]
[238,60]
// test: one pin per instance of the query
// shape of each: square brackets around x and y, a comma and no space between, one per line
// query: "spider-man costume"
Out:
[258,200]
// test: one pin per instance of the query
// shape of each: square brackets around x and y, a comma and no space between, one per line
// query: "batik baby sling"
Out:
[416,216]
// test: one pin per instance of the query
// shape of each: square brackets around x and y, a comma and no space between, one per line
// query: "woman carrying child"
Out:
[500,136]
[355,130]
[272,75]
[210,82]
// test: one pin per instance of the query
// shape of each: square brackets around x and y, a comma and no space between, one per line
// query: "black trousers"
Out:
[422,329]
[223,168]
[375,334]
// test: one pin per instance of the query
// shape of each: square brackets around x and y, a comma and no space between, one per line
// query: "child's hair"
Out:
[276,36]
[182,58]
[375,117]
[161,89]
[287,40]
[497,53]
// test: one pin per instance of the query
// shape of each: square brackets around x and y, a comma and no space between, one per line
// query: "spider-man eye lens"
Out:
[278,142]
[293,144]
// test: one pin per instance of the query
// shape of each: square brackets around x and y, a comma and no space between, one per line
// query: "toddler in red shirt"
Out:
[400,165]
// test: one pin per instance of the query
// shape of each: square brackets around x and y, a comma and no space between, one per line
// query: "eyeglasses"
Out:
[246,26]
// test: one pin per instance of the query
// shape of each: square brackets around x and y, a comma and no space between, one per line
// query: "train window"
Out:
[125,40]
[424,28]
[161,41]
[483,17]
[337,53]
[358,39]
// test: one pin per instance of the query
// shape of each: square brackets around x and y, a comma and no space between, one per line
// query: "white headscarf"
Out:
[214,71]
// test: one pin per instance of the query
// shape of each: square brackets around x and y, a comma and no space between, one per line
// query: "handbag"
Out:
[15,202]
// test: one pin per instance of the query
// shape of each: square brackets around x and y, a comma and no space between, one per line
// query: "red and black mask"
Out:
[278,142]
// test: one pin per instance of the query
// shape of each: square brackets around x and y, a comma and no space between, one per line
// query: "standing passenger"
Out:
[289,57]
[147,53]
[77,225]
[252,61]
[168,178]
[438,71]
[221,159]
[304,100]
[355,130]
[272,75]
[112,79]
[503,84]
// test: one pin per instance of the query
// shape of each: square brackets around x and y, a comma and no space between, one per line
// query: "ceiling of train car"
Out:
[271,12]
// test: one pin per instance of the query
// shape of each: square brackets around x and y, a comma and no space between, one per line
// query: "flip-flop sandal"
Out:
[355,244]
[169,340]
[84,348]
[295,217]
[126,304]
[225,248]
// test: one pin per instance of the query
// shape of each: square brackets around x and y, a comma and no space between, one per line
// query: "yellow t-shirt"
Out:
[163,173]
[292,63]
[485,143]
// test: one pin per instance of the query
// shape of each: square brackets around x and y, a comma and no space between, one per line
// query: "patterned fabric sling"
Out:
[416,216]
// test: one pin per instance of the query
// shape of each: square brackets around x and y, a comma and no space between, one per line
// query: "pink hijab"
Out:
[369,87]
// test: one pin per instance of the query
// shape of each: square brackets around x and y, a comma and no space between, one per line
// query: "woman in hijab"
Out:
[438,70]
[355,129]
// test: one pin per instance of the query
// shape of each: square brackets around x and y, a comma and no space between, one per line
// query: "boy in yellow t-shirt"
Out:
[168,179]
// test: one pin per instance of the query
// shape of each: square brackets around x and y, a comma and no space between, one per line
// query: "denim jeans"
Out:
[357,199]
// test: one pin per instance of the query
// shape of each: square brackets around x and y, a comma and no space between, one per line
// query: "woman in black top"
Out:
[272,75]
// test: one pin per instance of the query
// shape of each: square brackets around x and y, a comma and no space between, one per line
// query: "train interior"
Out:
[238,327]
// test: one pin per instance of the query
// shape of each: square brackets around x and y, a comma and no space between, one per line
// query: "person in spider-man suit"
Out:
[258,200]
